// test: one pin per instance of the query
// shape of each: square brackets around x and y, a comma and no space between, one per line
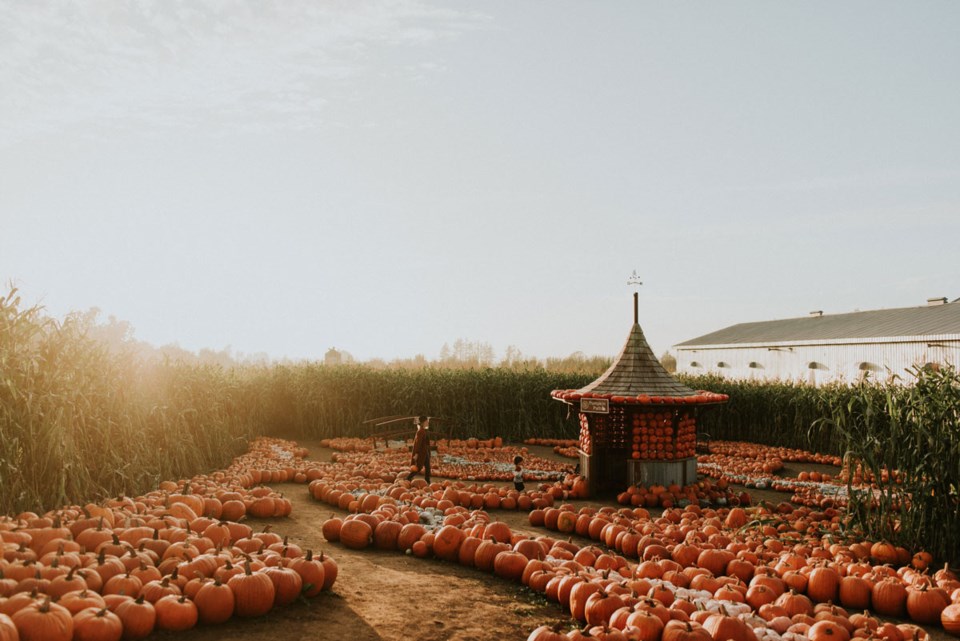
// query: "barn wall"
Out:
[845,362]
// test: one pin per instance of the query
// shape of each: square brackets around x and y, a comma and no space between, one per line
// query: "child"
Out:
[517,473]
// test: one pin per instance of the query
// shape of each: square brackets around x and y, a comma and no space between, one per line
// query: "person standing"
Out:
[420,460]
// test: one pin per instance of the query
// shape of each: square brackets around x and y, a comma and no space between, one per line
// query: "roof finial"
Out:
[635,281]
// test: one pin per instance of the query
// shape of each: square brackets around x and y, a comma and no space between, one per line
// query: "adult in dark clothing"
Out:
[421,450]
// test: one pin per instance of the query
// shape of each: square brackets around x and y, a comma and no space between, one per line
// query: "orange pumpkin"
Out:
[684,631]
[215,602]
[925,604]
[312,574]
[855,592]
[601,606]
[827,631]
[175,613]
[97,624]
[138,618]
[446,542]
[253,592]
[823,585]
[287,584]
[889,597]
[721,626]
[509,565]
[356,534]
[44,621]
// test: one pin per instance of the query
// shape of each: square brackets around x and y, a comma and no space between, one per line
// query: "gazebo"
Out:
[638,424]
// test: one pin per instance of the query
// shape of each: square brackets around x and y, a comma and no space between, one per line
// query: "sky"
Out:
[384,177]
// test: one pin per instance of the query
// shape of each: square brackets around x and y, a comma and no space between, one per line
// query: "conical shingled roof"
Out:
[636,376]
[636,371]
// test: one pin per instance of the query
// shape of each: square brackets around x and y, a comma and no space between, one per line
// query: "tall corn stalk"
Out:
[907,438]
[79,423]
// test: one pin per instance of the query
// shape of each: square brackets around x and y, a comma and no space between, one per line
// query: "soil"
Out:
[390,596]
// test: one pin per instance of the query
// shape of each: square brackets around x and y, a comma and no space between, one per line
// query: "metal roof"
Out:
[931,320]
[637,371]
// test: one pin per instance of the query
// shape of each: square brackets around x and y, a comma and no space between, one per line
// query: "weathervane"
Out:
[635,281]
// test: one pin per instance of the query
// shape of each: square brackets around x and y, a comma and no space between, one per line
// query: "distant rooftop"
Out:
[937,318]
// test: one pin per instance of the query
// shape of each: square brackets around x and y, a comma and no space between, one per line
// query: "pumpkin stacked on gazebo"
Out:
[638,424]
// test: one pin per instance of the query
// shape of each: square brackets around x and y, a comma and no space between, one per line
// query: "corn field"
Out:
[322,401]
[907,439]
[78,423]
[772,413]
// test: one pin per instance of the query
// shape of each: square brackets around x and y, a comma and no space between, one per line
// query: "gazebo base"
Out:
[682,472]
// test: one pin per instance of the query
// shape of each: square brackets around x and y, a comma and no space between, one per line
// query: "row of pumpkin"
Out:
[167,560]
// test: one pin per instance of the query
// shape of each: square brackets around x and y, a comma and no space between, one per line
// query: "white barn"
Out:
[822,348]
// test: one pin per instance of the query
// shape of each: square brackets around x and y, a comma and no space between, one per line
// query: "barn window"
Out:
[869,367]
[694,364]
[816,365]
[755,365]
[723,364]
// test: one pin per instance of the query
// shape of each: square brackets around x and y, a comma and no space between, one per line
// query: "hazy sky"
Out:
[385,177]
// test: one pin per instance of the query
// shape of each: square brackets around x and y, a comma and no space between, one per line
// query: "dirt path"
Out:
[389,596]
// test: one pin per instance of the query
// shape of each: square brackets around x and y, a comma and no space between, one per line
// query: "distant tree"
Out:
[174,352]
[222,357]
[578,363]
[511,356]
[669,362]
[466,353]
[257,358]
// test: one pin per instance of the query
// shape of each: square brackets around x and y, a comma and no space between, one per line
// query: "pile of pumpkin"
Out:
[756,466]
[166,560]
[747,450]
[718,465]
[357,495]
[565,447]
[552,442]
[348,444]
[701,493]
[700,575]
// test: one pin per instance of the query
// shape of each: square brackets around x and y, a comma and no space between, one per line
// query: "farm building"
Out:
[822,348]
